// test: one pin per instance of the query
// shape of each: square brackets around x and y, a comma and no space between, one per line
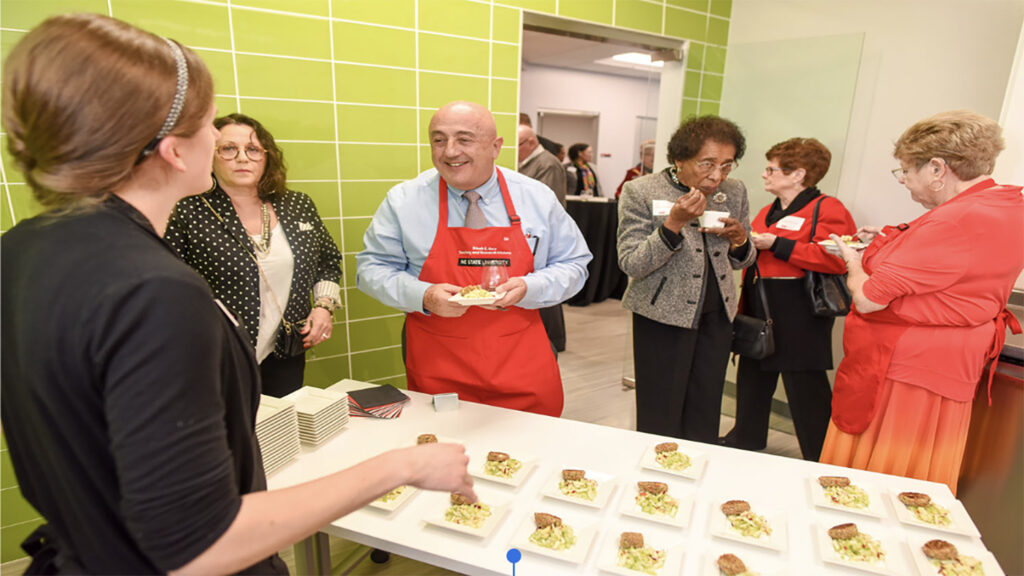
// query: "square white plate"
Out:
[697,462]
[777,540]
[458,299]
[605,487]
[961,521]
[441,501]
[876,507]
[925,567]
[585,534]
[832,248]
[755,565]
[609,555]
[890,546]
[397,503]
[684,498]
[477,463]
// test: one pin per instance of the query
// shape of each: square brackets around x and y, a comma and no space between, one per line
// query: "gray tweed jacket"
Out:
[665,285]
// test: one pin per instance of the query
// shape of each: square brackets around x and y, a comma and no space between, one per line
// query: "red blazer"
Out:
[794,251]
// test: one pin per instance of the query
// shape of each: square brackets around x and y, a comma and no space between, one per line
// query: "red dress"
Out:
[902,397]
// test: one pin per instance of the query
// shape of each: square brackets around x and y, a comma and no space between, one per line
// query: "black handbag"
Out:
[753,337]
[830,297]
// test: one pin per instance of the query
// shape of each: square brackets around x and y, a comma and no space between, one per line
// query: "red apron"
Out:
[500,358]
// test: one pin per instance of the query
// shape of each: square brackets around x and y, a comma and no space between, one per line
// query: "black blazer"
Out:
[215,250]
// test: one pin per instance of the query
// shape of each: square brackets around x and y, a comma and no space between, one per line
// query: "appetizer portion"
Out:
[853,545]
[668,456]
[426,439]
[576,485]
[731,565]
[841,492]
[922,507]
[393,495]
[744,521]
[947,559]
[501,465]
[475,291]
[653,498]
[463,513]
[551,533]
[633,555]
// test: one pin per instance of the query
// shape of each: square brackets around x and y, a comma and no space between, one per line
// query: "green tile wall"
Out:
[347,87]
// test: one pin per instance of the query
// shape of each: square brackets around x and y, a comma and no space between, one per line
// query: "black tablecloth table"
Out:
[599,223]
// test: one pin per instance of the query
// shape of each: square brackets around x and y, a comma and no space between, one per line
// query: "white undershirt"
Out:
[278,267]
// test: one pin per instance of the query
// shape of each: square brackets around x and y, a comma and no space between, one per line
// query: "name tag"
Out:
[661,208]
[791,223]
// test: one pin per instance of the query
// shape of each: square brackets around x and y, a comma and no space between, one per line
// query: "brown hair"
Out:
[968,142]
[807,153]
[695,131]
[273,180]
[83,94]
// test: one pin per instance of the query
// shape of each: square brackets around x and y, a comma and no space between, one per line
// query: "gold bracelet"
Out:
[740,245]
[326,304]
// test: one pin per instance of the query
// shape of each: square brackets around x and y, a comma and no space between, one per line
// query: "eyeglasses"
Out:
[707,166]
[230,152]
[773,169]
[899,173]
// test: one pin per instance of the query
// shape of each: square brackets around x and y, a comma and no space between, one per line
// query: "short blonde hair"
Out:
[83,94]
[967,141]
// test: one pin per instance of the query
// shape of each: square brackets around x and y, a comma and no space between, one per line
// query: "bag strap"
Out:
[814,219]
[759,288]
[284,321]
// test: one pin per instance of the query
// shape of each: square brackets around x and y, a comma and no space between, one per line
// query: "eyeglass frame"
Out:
[774,169]
[709,167]
[262,152]
[899,173]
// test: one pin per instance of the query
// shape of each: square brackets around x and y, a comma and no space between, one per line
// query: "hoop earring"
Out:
[942,184]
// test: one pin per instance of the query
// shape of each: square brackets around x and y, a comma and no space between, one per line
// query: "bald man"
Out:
[539,164]
[419,252]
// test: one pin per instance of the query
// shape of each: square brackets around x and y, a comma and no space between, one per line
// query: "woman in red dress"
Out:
[929,306]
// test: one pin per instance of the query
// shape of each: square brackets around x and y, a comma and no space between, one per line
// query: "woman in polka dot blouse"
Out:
[263,249]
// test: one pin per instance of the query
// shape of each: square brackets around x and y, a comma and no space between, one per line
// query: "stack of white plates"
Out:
[322,413]
[277,429]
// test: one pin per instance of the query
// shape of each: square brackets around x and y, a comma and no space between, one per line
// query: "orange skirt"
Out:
[915,433]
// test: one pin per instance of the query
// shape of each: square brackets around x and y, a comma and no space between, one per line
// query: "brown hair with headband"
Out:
[83,94]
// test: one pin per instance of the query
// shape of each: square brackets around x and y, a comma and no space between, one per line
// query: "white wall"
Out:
[1010,169]
[619,99]
[920,57]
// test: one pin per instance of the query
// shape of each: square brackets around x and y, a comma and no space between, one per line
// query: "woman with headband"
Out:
[129,393]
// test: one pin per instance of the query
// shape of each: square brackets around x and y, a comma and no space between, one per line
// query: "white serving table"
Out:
[773,484]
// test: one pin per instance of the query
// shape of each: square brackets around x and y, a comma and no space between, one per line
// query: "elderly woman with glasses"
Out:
[682,233]
[929,306]
[264,251]
[786,250]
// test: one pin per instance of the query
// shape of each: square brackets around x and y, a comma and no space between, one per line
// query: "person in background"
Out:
[929,305]
[431,237]
[645,166]
[681,289]
[548,144]
[582,180]
[541,165]
[264,250]
[803,341]
[129,392]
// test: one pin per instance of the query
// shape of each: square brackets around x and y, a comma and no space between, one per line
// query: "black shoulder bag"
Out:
[830,297]
[753,337]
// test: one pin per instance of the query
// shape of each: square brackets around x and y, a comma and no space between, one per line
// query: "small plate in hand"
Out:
[459,299]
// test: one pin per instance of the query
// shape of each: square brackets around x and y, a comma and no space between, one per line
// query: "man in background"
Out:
[646,165]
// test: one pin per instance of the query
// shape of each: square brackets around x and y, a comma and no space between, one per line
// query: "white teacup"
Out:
[709,219]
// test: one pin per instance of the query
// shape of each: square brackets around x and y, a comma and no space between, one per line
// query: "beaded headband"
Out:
[176,106]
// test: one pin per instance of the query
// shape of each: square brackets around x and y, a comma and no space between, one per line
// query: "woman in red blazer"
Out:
[803,341]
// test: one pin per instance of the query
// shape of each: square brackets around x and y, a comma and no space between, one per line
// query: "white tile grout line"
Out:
[7,192]
[234,58]
[337,167]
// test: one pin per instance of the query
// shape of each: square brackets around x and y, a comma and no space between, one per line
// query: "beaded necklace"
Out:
[263,244]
